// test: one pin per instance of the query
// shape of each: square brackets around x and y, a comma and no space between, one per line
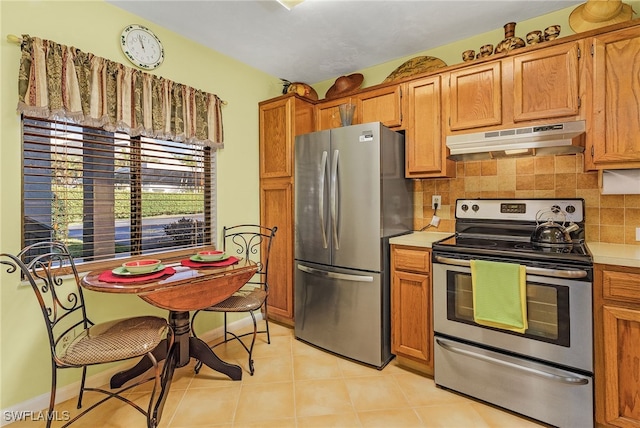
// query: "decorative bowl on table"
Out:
[142,266]
[211,256]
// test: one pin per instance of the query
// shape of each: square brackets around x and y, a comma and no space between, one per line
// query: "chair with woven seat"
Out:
[248,241]
[75,341]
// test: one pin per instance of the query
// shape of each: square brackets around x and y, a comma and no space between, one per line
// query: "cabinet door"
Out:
[411,305]
[475,96]
[425,154]
[382,105]
[614,141]
[622,366]
[411,316]
[276,138]
[546,83]
[328,115]
[276,201]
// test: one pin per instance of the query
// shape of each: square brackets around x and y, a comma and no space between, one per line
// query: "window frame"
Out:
[209,155]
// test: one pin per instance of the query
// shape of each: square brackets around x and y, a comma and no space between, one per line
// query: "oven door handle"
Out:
[540,373]
[530,270]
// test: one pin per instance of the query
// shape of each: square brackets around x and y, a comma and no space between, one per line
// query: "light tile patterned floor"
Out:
[297,385]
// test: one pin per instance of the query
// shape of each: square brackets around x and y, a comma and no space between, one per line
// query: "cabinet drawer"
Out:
[417,260]
[621,285]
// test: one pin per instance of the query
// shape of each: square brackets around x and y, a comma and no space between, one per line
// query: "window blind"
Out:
[108,195]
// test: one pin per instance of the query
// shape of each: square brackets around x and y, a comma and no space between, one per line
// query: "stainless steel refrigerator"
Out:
[351,196]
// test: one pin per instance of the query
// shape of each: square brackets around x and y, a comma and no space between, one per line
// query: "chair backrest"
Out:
[52,274]
[253,242]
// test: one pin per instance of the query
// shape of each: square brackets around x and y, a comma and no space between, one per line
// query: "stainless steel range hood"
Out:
[558,138]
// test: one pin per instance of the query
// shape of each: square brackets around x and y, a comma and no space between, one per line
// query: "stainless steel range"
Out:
[545,373]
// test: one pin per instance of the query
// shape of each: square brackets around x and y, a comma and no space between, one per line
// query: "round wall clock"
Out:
[142,47]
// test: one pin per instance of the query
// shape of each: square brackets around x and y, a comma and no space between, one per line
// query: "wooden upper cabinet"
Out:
[379,105]
[382,105]
[613,140]
[546,83]
[541,85]
[328,114]
[281,120]
[276,138]
[475,96]
[425,153]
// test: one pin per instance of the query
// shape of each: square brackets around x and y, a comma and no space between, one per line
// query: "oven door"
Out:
[559,314]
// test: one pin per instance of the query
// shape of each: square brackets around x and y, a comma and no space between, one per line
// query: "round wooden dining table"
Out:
[187,289]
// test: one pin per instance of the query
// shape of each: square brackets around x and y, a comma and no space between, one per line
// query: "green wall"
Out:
[95,26]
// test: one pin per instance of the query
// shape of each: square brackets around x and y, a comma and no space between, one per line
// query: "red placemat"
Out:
[108,276]
[228,262]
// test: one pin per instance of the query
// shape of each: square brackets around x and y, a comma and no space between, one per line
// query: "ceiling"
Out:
[322,39]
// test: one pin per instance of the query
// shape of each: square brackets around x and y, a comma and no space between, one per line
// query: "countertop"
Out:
[615,254]
[610,254]
[419,239]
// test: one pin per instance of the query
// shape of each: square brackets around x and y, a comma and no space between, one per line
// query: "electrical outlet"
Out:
[637,233]
[436,199]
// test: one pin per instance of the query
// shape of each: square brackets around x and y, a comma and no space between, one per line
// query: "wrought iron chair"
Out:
[74,340]
[245,240]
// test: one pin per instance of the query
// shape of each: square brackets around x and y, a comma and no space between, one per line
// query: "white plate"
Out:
[122,271]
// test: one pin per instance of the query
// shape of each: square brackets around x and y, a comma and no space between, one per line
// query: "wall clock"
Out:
[142,47]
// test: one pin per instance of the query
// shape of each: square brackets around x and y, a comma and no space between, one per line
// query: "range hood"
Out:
[559,138]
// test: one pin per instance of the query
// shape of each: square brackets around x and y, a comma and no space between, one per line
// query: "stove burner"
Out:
[474,242]
[527,247]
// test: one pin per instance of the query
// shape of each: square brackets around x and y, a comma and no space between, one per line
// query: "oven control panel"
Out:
[513,208]
[570,210]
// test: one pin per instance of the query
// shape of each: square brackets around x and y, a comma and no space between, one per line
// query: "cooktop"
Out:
[502,228]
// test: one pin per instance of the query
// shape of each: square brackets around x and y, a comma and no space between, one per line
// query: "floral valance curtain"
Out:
[58,81]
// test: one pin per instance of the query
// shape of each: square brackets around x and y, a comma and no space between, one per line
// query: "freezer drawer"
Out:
[343,311]
[554,396]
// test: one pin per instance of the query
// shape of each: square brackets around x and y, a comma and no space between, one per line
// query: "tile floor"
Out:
[297,385]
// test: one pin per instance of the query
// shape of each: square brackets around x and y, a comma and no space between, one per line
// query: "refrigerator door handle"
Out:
[323,169]
[334,199]
[335,275]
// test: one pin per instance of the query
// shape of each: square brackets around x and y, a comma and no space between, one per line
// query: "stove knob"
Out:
[475,207]
[464,207]
[570,209]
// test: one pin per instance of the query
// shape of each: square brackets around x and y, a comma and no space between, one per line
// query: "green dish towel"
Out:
[499,295]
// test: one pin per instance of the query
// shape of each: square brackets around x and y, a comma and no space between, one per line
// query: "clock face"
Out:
[142,47]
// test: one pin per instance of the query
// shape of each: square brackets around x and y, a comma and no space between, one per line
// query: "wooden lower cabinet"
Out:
[411,307]
[276,201]
[617,345]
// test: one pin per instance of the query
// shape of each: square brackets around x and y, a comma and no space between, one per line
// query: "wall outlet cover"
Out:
[436,199]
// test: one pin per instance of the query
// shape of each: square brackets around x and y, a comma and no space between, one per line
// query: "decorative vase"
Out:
[510,42]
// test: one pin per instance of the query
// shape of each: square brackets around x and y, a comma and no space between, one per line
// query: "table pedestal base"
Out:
[184,348]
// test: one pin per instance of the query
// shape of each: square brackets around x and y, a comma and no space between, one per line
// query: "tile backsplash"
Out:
[609,218]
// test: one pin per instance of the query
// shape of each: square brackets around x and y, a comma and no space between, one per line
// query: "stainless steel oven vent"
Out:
[558,138]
